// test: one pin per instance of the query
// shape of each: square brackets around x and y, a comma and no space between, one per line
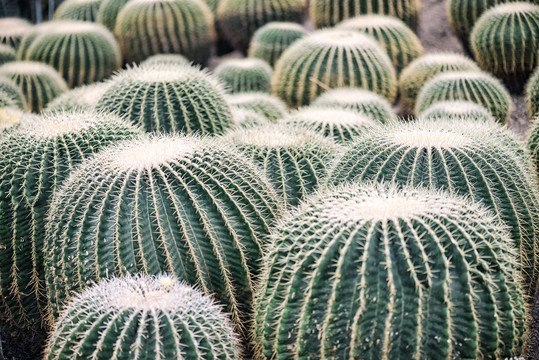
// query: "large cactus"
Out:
[456,110]
[474,158]
[146,28]
[141,317]
[80,10]
[245,75]
[329,59]
[12,30]
[108,12]
[168,98]
[372,272]
[81,98]
[532,94]
[265,104]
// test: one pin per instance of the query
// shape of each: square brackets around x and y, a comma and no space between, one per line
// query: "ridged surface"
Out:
[81,10]
[265,104]
[456,110]
[81,98]
[108,12]
[12,30]
[245,75]
[245,118]
[532,94]
[7,54]
[31,35]
[533,142]
[329,59]
[10,94]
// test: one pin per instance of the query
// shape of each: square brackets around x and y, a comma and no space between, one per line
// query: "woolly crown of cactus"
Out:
[532,94]
[245,75]
[82,98]
[81,10]
[167,59]
[263,103]
[457,110]
[12,30]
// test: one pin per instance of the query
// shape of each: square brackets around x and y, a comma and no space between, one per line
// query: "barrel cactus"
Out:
[39,83]
[12,30]
[28,39]
[532,94]
[146,28]
[108,12]
[142,317]
[474,158]
[398,40]
[80,10]
[10,94]
[329,59]
[246,118]
[477,87]
[271,40]
[7,54]
[265,104]
[424,68]
[81,98]
[245,75]
[168,98]
[166,59]
[456,110]
[376,272]
[533,142]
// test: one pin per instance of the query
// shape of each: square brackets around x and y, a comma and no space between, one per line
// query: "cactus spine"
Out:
[265,104]
[82,98]
[532,94]
[12,30]
[79,10]
[245,75]
[456,110]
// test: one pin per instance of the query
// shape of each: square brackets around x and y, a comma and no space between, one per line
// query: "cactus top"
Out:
[457,110]
[511,7]
[340,38]
[30,68]
[69,27]
[14,27]
[330,115]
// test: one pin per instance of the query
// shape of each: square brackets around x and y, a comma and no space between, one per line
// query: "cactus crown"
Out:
[167,59]
[457,110]
[265,104]
[245,75]
[12,30]
[82,10]
[81,98]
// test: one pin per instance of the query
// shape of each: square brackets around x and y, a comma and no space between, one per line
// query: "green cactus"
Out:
[245,118]
[474,158]
[245,75]
[532,94]
[12,30]
[10,94]
[80,10]
[212,4]
[146,28]
[271,40]
[505,42]
[329,59]
[141,317]
[424,68]
[398,40]
[191,206]
[81,98]
[265,104]
[239,19]
[473,86]
[108,12]
[456,110]
[533,142]
[39,83]
[366,102]
[28,39]
[376,272]
[294,159]
[167,59]
[7,54]
[34,159]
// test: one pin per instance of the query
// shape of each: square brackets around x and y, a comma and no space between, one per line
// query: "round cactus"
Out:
[505,42]
[477,87]
[373,272]
[424,68]
[272,39]
[146,28]
[263,103]
[245,75]
[34,159]
[108,12]
[474,158]
[166,59]
[532,94]
[246,118]
[31,35]
[140,317]
[366,102]
[80,10]
[341,125]
[398,40]
[10,94]
[39,83]
[239,19]
[456,110]
[7,54]
[329,59]
[169,98]
[12,30]
[294,159]
[82,98]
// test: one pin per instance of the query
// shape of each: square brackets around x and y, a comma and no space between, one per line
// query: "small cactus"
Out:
[532,94]
[168,98]
[376,272]
[505,42]
[329,59]
[271,40]
[10,94]
[245,118]
[146,28]
[398,40]
[79,10]
[477,87]
[166,59]
[7,54]
[81,98]
[108,12]
[141,317]
[12,30]
[456,110]
[265,104]
[245,75]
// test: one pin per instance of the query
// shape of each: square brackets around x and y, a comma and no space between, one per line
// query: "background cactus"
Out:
[108,12]
[332,58]
[265,104]
[354,270]
[81,98]
[81,10]
[12,30]
[272,39]
[28,39]
[39,83]
[7,54]
[168,59]
[398,40]
[168,98]
[167,320]
[146,28]
[473,158]
[456,110]
[246,118]
[477,87]
[245,75]
[10,94]
[532,94]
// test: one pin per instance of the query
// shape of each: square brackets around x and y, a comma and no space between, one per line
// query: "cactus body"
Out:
[28,39]
[108,12]
[245,75]
[372,272]
[166,59]
[168,98]
[7,54]
[271,40]
[245,118]
[146,28]
[456,110]
[12,30]
[140,317]
[533,142]
[79,10]
[82,98]
[329,59]
[532,94]
[398,40]
[473,158]
[265,104]
[10,94]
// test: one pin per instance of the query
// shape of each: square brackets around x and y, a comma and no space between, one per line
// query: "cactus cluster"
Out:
[456,110]
[532,94]
[10,94]
[79,10]
[265,104]
[12,30]
[81,98]
[108,12]
[7,54]
[245,75]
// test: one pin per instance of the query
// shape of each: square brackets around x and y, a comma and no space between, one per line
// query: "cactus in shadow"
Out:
[79,10]
[10,94]
[81,98]
[456,110]
[12,30]
[532,94]
[265,104]
[245,75]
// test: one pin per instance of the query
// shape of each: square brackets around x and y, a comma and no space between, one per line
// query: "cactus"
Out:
[456,110]
[239,19]
[146,28]
[474,158]
[424,68]
[10,94]
[505,42]
[271,40]
[28,39]
[398,40]
[34,159]
[245,75]
[293,159]
[376,272]
[533,142]
[80,10]
[366,102]
[39,83]
[532,94]
[477,87]
[7,54]
[12,30]
[10,117]
[332,58]
[167,59]
[212,4]
[108,12]
[169,98]
[245,118]
[335,123]
[82,98]
[265,104]
[164,319]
